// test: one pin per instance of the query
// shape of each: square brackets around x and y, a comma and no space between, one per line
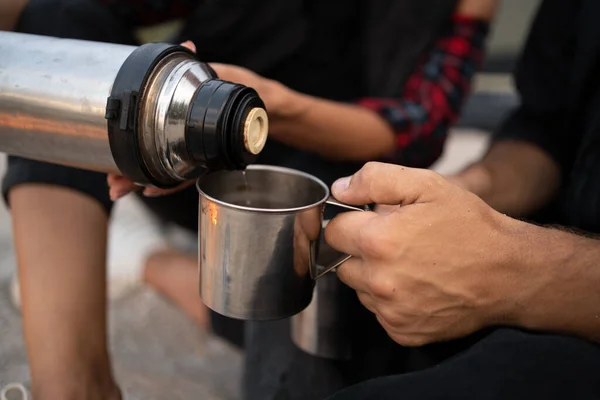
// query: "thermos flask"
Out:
[154,113]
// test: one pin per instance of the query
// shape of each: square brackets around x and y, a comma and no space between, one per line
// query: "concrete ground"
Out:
[158,352]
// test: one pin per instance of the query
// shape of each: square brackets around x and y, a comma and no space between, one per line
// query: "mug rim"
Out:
[264,167]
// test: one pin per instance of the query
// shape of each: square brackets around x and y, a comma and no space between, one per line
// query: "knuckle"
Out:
[432,178]
[388,315]
[432,182]
[369,171]
[370,168]
[342,274]
[382,285]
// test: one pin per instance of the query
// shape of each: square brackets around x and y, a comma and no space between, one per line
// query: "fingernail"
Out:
[341,184]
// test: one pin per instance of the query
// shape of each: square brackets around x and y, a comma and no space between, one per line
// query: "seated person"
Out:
[446,265]
[339,93]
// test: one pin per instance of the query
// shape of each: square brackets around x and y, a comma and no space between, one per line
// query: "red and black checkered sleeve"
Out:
[434,94]
[150,12]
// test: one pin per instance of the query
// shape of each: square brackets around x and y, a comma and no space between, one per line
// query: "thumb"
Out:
[389,184]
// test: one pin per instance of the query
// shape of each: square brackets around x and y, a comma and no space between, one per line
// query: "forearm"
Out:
[516,178]
[560,283]
[10,10]
[334,130]
[408,129]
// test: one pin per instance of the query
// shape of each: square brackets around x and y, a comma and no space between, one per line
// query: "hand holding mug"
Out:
[434,267]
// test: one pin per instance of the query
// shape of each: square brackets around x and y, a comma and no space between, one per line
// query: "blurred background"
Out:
[158,352]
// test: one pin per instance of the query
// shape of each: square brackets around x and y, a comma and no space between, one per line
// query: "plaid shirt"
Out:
[434,94]
[430,102]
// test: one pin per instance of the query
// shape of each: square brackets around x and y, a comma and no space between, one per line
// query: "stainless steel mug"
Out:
[321,329]
[154,113]
[259,236]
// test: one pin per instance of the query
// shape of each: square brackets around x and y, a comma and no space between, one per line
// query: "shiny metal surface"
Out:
[323,328]
[259,239]
[53,96]
[167,100]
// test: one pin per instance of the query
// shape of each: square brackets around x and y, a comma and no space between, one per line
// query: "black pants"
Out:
[508,363]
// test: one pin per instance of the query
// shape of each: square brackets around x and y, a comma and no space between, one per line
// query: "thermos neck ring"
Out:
[123,111]
[166,101]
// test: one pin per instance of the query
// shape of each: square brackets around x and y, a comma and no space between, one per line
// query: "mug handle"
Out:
[333,202]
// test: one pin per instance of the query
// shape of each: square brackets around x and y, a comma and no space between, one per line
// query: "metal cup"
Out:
[259,234]
[321,329]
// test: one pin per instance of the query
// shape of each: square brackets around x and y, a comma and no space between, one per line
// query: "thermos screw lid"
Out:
[256,130]
[227,125]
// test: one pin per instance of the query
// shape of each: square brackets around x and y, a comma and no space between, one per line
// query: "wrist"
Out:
[536,274]
[507,264]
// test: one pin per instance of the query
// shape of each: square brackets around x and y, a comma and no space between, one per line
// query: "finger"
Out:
[189,45]
[401,335]
[353,274]
[388,184]
[119,186]
[157,192]
[343,233]
[224,71]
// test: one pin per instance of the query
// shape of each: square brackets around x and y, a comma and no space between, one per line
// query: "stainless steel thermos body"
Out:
[153,113]
[159,116]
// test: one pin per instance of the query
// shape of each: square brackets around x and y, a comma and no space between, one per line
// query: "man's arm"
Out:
[10,10]
[558,286]
[515,177]
[481,268]
[533,149]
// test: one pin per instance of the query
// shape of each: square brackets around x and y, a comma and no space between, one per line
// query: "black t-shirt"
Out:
[311,46]
[558,79]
